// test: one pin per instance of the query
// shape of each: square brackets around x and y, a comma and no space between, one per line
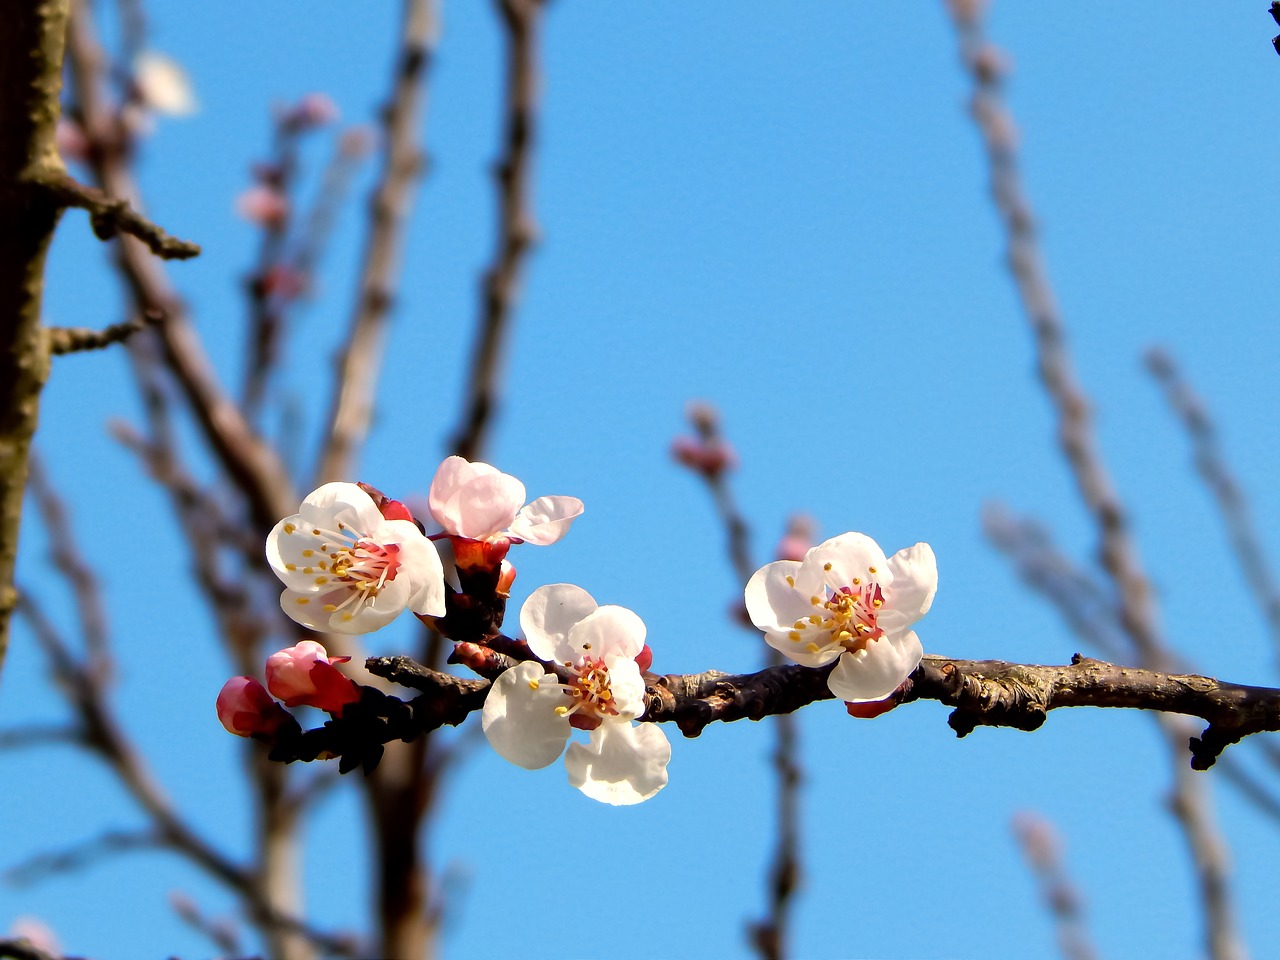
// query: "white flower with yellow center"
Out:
[529,713]
[845,601]
[347,569]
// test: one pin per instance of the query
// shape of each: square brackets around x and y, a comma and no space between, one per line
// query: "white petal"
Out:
[627,686]
[520,721]
[164,84]
[850,555]
[915,581]
[286,544]
[772,602]
[545,520]
[483,506]
[798,651]
[449,563]
[607,630]
[306,609]
[338,502]
[385,607]
[878,670]
[549,614]
[420,565]
[624,763]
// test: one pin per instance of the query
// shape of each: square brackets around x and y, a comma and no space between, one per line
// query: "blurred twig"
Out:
[1043,850]
[81,855]
[516,226]
[710,456]
[389,205]
[1118,553]
[1231,500]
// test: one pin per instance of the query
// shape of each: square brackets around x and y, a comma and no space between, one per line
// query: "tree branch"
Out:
[111,216]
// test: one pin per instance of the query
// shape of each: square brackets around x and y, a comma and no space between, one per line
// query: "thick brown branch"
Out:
[31,45]
[111,216]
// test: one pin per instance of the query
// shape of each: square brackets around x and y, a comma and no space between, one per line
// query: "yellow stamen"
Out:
[812,648]
[302,601]
[533,684]
[793,635]
[791,581]
[289,528]
[826,566]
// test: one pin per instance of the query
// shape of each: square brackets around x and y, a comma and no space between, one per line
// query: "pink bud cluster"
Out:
[302,676]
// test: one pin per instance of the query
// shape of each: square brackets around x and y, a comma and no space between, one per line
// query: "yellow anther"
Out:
[877,603]
[315,531]
[320,580]
[291,567]
[289,528]
[799,624]
[347,616]
[791,581]
[871,569]
[856,581]
[308,569]
[308,553]
[586,646]
[813,648]
[329,608]
[561,711]
[815,619]
[533,684]
[816,601]
[826,566]
[793,635]
[843,635]
[302,601]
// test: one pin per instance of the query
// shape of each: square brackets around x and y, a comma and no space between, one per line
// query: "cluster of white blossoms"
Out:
[352,561]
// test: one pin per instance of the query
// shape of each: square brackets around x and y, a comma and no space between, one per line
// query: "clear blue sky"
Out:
[781,209]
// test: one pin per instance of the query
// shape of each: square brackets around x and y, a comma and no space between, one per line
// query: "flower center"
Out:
[846,618]
[590,693]
[358,569]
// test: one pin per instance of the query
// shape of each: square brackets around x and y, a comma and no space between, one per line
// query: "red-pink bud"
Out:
[644,659]
[303,675]
[479,554]
[871,709]
[247,710]
[506,577]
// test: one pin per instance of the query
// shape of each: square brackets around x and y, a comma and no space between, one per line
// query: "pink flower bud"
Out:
[264,206]
[708,457]
[644,659]
[795,543]
[303,675]
[247,710]
[312,110]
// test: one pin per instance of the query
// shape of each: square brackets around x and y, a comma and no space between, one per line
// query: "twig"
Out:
[69,562]
[36,736]
[45,865]
[221,932]
[516,226]
[64,340]
[389,204]
[1043,851]
[1118,552]
[111,216]
[1231,500]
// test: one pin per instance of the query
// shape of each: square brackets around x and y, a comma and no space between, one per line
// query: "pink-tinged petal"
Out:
[452,474]
[876,671]
[772,602]
[910,595]
[607,630]
[483,507]
[519,716]
[850,556]
[549,614]
[626,685]
[545,520]
[798,650]
[623,763]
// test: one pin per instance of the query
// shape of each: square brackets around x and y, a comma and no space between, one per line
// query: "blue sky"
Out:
[784,213]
